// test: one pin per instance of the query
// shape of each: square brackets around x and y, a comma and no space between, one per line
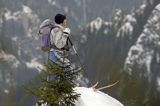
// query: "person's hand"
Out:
[67,31]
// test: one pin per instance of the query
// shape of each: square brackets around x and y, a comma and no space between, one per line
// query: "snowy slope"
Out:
[89,97]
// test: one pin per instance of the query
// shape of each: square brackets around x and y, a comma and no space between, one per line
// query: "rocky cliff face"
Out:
[143,57]
[144,54]
[114,39]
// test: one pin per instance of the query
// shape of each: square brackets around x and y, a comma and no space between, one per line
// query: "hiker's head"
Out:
[61,19]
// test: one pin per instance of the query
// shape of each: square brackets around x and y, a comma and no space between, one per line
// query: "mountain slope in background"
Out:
[117,36]
[126,48]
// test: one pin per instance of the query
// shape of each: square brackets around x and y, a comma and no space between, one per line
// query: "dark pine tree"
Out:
[57,86]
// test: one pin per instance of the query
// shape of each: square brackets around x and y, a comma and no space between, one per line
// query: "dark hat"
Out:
[59,18]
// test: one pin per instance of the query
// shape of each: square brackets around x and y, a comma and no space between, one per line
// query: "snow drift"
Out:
[90,97]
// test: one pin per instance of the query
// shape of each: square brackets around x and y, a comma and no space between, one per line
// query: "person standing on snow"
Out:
[59,38]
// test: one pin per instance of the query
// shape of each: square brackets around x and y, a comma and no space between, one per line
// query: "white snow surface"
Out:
[158,7]
[35,64]
[90,97]
[26,9]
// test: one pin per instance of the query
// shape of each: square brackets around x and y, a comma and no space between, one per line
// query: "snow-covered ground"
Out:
[90,97]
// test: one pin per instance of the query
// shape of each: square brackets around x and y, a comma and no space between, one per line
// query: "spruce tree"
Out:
[57,86]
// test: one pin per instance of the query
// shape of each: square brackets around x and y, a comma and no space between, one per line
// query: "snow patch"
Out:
[106,31]
[158,83]
[148,61]
[118,15]
[129,28]
[15,38]
[26,9]
[126,29]
[158,58]
[29,20]
[141,9]
[12,16]
[35,65]
[8,79]
[6,91]
[83,38]
[19,52]
[133,55]
[90,97]
[26,17]
[158,7]
[107,24]
[52,2]
[9,58]
[130,18]
[82,81]
[139,40]
[153,20]
[141,56]
[142,6]
[96,24]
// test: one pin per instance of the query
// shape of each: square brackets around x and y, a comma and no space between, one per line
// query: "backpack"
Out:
[44,35]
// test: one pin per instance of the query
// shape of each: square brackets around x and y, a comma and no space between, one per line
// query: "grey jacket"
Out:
[58,37]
